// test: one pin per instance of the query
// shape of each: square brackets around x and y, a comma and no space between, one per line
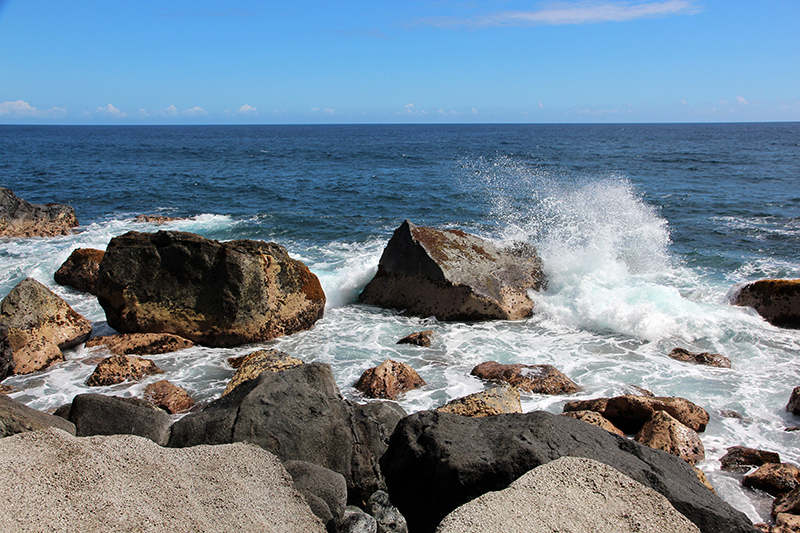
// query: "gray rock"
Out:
[16,417]
[386,413]
[388,517]
[777,300]
[794,402]
[357,521]
[96,414]
[19,218]
[329,486]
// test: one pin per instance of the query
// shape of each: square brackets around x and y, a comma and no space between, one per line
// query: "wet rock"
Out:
[119,368]
[786,523]
[794,402]
[169,397]
[325,485]
[539,379]
[787,503]
[594,418]
[452,275]
[213,293]
[155,219]
[774,479]
[387,516]
[388,379]
[96,414]
[420,338]
[704,358]
[16,417]
[19,218]
[663,432]
[494,401]
[741,458]
[776,300]
[252,365]
[140,343]
[630,413]
[80,270]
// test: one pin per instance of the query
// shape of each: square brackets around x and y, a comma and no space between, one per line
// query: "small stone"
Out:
[388,517]
[169,397]
[539,379]
[357,521]
[252,365]
[119,368]
[704,358]
[773,478]
[420,338]
[494,401]
[389,379]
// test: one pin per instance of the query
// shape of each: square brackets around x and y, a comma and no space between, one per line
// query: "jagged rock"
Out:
[213,293]
[252,365]
[119,368]
[389,379]
[774,478]
[594,418]
[328,488]
[16,417]
[794,402]
[169,397]
[776,300]
[387,516]
[630,413]
[569,494]
[663,432]
[494,401]
[788,502]
[140,343]
[96,414]
[436,462]
[741,459]
[19,218]
[704,358]
[40,325]
[80,270]
[539,379]
[452,275]
[420,338]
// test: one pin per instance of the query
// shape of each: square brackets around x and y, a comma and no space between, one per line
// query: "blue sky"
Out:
[449,61]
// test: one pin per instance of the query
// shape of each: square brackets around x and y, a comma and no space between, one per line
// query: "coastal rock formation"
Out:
[40,325]
[663,432]
[594,418]
[127,483]
[16,417]
[324,490]
[119,368]
[169,397]
[741,458]
[388,379]
[452,275]
[569,494]
[252,365]
[140,343]
[539,379]
[494,401]
[420,338]
[96,414]
[437,462]
[777,300]
[630,413]
[704,358]
[80,270]
[298,414]
[775,479]
[213,293]
[19,218]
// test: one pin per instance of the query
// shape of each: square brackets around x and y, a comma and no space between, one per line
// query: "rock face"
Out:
[19,218]
[494,401]
[630,413]
[126,483]
[436,462]
[704,358]
[169,397]
[6,354]
[539,379]
[96,414]
[40,325]
[388,379]
[80,270]
[253,364]
[454,276]
[570,494]
[298,414]
[140,343]
[119,368]
[663,432]
[16,417]
[777,300]
[215,294]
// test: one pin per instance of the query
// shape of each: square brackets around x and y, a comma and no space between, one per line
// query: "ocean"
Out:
[644,230]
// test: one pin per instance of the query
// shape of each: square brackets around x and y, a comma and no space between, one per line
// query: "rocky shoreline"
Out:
[401,472]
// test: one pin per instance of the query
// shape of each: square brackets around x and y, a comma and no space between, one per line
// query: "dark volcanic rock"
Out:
[213,293]
[438,461]
[539,379]
[777,300]
[454,276]
[388,379]
[19,218]
[324,484]
[96,414]
[420,338]
[704,358]
[16,417]
[794,402]
[630,413]
[80,270]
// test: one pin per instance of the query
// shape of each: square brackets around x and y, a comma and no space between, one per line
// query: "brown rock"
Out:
[786,523]
[704,358]
[169,397]
[388,379]
[774,478]
[19,218]
[794,402]
[80,270]
[636,390]
[119,368]
[140,343]
[777,300]
[32,352]
[252,365]
[787,503]
[595,419]
[701,476]
[630,413]
[155,219]
[452,275]
[663,432]
[539,379]
[741,459]
[420,338]
[494,401]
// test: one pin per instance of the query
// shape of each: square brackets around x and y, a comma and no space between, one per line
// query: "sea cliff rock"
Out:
[80,270]
[213,293]
[539,379]
[388,379]
[140,343]
[452,275]
[490,402]
[19,218]
[630,413]
[777,300]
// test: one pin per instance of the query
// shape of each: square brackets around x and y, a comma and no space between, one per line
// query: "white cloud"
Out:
[247,110]
[742,100]
[541,105]
[195,111]
[111,111]
[20,108]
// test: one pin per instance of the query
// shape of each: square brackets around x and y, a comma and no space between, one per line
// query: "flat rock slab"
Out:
[140,343]
[19,218]
[777,300]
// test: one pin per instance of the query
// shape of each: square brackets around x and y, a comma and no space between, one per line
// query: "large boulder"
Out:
[569,494]
[454,276]
[213,293]
[80,270]
[630,413]
[16,417]
[96,414]
[19,218]
[40,325]
[324,490]
[777,300]
[436,462]
[54,482]
[297,414]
